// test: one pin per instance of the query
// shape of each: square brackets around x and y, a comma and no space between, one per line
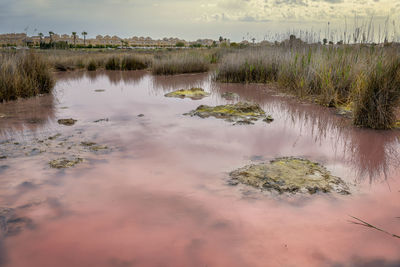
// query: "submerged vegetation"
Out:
[23,75]
[366,78]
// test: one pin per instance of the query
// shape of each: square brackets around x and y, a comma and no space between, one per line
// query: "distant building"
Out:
[22,39]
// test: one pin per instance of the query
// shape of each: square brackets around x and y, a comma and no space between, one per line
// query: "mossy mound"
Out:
[238,112]
[67,122]
[64,163]
[293,175]
[193,93]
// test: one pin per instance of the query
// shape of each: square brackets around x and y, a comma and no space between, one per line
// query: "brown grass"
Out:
[23,75]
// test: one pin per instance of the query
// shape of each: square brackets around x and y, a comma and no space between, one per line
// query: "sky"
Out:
[193,19]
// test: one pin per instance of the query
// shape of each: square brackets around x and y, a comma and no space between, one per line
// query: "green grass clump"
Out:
[24,75]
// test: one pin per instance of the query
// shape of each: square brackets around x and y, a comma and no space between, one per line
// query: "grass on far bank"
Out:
[183,62]
[366,78]
[24,75]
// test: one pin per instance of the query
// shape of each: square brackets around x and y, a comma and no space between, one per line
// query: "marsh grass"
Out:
[61,60]
[113,63]
[92,65]
[133,62]
[183,62]
[378,93]
[23,75]
[366,78]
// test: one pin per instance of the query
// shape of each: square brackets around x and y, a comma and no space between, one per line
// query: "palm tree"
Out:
[74,35]
[51,36]
[40,36]
[84,38]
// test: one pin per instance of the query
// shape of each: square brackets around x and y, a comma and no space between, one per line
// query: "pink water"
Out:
[161,197]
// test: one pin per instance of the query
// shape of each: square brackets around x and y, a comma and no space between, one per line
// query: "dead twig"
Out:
[363,223]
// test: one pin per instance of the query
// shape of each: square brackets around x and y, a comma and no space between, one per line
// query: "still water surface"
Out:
[160,195]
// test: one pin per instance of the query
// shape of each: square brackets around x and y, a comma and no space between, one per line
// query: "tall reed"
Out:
[184,62]
[23,75]
[367,77]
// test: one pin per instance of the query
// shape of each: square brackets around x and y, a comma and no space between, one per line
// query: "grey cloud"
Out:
[332,1]
[233,4]
[252,19]
[291,2]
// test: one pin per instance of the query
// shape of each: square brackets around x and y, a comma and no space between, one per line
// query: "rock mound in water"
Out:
[293,175]
[193,93]
[239,112]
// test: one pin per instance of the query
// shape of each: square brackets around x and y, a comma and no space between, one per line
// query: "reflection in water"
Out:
[372,154]
[167,83]
[26,114]
[375,153]
[161,196]
[114,77]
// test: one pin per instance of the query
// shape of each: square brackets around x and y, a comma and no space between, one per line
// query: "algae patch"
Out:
[293,175]
[268,119]
[193,93]
[67,122]
[240,113]
[63,163]
[93,146]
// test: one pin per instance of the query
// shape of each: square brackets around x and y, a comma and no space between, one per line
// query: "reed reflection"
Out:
[26,114]
[373,155]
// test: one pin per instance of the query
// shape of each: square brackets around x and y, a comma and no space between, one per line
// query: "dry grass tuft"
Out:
[23,75]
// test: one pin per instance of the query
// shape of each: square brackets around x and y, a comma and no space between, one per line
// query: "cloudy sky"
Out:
[190,19]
